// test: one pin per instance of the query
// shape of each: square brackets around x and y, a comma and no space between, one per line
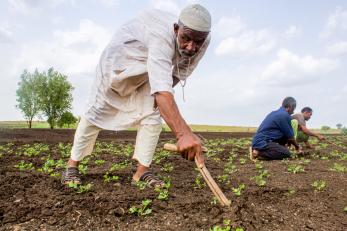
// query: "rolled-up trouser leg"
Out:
[84,140]
[146,142]
[274,151]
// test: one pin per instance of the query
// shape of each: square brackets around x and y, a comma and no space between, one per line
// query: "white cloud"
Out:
[108,3]
[166,5]
[71,51]
[291,32]
[336,23]
[338,48]
[229,26]
[5,33]
[33,6]
[239,40]
[290,69]
[248,43]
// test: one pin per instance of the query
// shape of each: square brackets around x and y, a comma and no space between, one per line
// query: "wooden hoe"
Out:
[207,177]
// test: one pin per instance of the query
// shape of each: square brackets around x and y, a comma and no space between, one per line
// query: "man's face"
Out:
[307,115]
[291,109]
[189,41]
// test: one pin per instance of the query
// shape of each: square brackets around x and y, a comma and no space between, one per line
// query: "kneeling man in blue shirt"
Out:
[274,133]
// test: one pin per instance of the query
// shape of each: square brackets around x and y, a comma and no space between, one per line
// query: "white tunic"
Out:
[140,60]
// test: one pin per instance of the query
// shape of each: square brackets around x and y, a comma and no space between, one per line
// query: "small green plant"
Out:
[290,192]
[168,167]
[226,227]
[214,201]
[242,160]
[319,185]
[80,188]
[99,162]
[237,191]
[142,210]
[339,168]
[108,178]
[223,178]
[163,190]
[140,185]
[259,165]
[345,209]
[295,168]
[199,182]
[82,168]
[119,166]
[259,180]
[24,166]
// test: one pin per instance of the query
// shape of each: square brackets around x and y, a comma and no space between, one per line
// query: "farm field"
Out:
[307,192]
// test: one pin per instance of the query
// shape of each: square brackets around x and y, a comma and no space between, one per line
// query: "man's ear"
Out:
[176,27]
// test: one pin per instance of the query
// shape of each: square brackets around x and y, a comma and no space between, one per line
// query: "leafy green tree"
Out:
[55,95]
[67,118]
[339,126]
[27,96]
[344,130]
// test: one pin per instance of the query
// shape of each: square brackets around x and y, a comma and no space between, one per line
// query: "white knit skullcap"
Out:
[196,17]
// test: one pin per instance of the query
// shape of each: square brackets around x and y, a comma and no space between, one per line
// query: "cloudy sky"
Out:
[261,51]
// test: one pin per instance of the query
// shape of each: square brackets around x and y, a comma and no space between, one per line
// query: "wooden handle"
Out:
[207,177]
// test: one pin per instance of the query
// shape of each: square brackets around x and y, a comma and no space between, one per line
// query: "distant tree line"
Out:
[47,94]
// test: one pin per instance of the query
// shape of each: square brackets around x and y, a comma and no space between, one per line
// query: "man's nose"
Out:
[191,46]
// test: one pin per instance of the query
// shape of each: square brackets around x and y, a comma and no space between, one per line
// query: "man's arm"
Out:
[293,142]
[310,133]
[187,143]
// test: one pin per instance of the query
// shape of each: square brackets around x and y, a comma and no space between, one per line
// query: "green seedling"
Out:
[199,182]
[223,178]
[164,190]
[319,185]
[214,201]
[143,210]
[259,180]
[140,185]
[99,162]
[295,168]
[226,227]
[80,188]
[290,192]
[259,166]
[119,166]
[339,168]
[237,191]
[108,178]
[168,167]
[24,166]
[242,160]
[82,168]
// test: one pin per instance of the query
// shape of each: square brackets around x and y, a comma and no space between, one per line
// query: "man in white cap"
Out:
[134,84]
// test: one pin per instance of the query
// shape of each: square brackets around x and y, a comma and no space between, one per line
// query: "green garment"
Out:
[298,135]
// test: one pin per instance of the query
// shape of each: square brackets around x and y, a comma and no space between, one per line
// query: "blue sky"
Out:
[261,51]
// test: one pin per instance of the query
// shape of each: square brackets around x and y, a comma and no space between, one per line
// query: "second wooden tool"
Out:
[207,177]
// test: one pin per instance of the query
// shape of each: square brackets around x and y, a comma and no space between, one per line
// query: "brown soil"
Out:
[34,200]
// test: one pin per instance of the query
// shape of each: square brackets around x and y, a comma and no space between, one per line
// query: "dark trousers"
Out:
[275,150]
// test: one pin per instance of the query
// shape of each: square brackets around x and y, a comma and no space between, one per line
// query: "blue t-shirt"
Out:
[275,126]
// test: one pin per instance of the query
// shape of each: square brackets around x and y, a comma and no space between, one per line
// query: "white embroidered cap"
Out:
[196,17]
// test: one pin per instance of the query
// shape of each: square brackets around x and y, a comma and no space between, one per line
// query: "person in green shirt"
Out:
[301,132]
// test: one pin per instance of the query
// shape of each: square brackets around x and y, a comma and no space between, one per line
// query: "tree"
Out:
[67,118]
[339,126]
[27,96]
[325,128]
[344,130]
[55,95]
